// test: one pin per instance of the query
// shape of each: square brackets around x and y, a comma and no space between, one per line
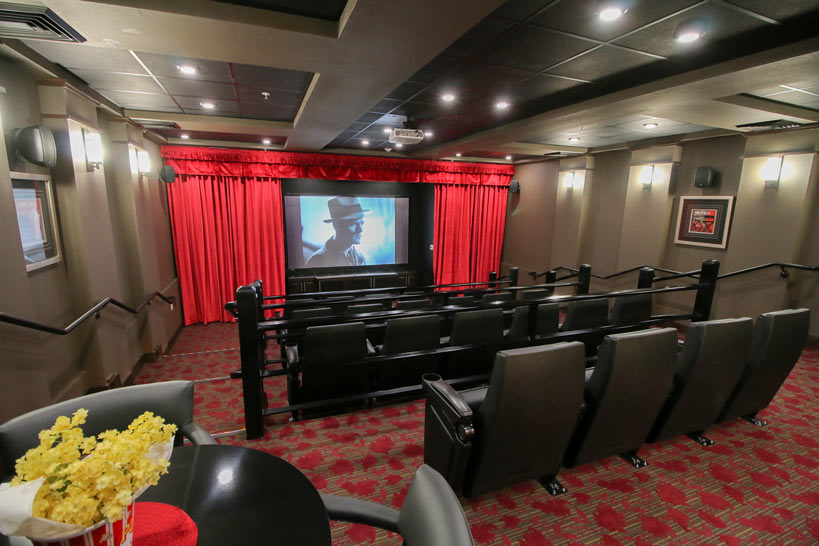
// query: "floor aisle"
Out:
[754,486]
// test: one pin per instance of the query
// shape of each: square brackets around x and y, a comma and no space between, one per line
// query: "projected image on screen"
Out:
[345,231]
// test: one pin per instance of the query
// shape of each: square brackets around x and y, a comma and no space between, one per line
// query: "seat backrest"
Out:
[708,368]
[111,409]
[631,380]
[311,313]
[481,326]
[583,314]
[407,305]
[526,419]
[630,309]
[464,301]
[533,294]
[779,338]
[334,344]
[548,319]
[497,296]
[365,308]
[519,329]
[412,334]
[432,514]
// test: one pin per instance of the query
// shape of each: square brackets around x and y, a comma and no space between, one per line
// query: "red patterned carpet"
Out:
[754,486]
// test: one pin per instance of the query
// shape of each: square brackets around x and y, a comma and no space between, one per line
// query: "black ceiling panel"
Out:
[329,10]
[250,95]
[518,10]
[207,90]
[479,36]
[114,81]
[385,106]
[779,10]
[581,17]
[436,68]
[166,65]
[406,90]
[472,80]
[600,63]
[272,78]
[533,48]
[721,22]
[221,106]
[272,111]
[538,85]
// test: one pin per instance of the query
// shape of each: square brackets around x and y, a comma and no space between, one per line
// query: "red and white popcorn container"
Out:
[104,533]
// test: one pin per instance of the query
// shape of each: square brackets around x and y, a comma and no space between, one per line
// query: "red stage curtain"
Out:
[469,223]
[227,221]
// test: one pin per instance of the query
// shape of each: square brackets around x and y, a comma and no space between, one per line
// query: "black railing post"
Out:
[493,276]
[513,275]
[249,347]
[646,278]
[551,278]
[705,294]
[584,278]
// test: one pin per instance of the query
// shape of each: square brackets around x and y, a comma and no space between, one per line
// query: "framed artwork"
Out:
[34,202]
[704,221]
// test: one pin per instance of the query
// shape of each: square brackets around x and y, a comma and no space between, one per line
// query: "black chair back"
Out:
[463,301]
[519,329]
[533,294]
[548,319]
[410,305]
[630,309]
[482,327]
[326,350]
[584,314]
[364,308]
[498,296]
[404,335]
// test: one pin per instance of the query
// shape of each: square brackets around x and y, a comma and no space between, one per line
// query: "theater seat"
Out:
[321,373]
[498,296]
[515,430]
[463,301]
[518,331]
[404,335]
[534,294]
[624,394]
[630,309]
[708,369]
[408,305]
[364,308]
[779,338]
[311,313]
[548,318]
[585,314]
[482,327]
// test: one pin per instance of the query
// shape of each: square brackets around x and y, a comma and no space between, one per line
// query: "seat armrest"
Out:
[292,354]
[450,404]
[360,511]
[370,349]
[197,435]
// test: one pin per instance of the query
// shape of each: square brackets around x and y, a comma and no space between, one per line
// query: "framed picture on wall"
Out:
[34,202]
[704,221]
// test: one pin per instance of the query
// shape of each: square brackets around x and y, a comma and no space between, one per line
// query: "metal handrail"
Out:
[783,266]
[95,310]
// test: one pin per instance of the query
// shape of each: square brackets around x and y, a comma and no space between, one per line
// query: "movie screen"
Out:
[345,231]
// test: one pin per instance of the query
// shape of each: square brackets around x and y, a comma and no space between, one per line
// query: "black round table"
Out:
[238,495]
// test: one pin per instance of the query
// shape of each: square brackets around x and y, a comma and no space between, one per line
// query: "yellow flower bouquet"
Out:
[71,483]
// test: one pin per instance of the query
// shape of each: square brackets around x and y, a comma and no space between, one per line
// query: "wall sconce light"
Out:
[568,181]
[93,149]
[772,172]
[646,176]
[143,162]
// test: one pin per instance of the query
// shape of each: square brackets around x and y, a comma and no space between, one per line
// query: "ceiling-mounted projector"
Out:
[406,136]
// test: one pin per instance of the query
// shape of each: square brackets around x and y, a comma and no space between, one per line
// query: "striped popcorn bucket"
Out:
[105,533]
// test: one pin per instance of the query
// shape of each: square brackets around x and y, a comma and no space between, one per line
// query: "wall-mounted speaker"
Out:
[167,174]
[35,144]
[705,177]
[514,186]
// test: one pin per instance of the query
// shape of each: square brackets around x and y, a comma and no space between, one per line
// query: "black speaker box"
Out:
[167,174]
[514,186]
[35,144]
[705,177]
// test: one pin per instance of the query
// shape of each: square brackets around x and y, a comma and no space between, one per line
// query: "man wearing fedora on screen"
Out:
[347,217]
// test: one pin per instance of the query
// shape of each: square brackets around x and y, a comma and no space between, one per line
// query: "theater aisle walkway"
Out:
[754,486]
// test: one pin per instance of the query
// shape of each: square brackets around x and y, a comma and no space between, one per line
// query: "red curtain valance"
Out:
[192,160]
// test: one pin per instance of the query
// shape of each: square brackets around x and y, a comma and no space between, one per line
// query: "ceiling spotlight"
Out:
[690,31]
[458,154]
[503,105]
[387,130]
[186,69]
[185,137]
[266,141]
[508,158]
[650,125]
[266,95]
[610,13]
[207,105]
[574,139]
[427,133]
[365,142]
[448,97]
[399,145]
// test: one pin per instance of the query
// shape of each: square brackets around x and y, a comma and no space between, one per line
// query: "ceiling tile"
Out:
[721,22]
[193,88]
[472,80]
[538,85]
[221,106]
[480,35]
[600,63]
[88,57]
[533,48]
[385,106]
[369,117]
[436,68]
[795,97]
[406,90]
[140,101]
[270,111]
[250,95]
[358,126]
[166,66]
[115,81]
[779,10]
[581,17]
[272,78]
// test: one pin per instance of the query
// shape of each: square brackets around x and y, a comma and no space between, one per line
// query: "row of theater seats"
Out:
[542,410]
[322,368]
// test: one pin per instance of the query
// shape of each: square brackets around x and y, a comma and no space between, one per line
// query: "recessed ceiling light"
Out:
[399,145]
[185,137]
[190,70]
[427,133]
[266,141]
[387,130]
[365,142]
[458,154]
[448,97]
[502,105]
[650,125]
[508,158]
[574,139]
[207,105]
[611,13]
[690,31]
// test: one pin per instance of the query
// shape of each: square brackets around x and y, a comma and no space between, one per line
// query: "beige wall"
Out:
[115,242]
[624,225]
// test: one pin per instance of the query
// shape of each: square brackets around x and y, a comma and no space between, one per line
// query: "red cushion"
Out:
[157,524]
